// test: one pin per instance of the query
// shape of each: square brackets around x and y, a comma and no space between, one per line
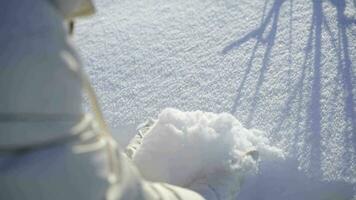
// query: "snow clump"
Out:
[181,147]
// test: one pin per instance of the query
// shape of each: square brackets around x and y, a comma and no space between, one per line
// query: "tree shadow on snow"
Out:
[310,125]
[257,34]
[281,179]
[344,78]
[344,71]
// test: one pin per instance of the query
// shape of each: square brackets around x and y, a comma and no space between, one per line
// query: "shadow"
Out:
[313,118]
[290,41]
[314,110]
[282,179]
[345,79]
[306,93]
[257,34]
[297,92]
[344,69]
[249,63]
[265,62]
[345,73]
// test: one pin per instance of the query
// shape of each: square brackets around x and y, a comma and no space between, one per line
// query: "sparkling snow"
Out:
[286,67]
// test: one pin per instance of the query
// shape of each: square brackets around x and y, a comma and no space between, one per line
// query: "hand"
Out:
[136,141]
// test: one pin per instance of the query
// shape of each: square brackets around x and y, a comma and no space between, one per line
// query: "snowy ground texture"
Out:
[285,67]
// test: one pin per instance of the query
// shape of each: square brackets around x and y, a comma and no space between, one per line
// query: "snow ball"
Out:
[181,147]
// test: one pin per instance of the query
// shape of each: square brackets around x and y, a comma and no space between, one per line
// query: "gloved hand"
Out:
[136,141]
[220,185]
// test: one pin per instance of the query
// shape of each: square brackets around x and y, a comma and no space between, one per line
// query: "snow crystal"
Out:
[183,146]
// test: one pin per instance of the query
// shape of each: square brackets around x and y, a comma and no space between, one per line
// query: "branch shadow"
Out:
[297,91]
[313,117]
[257,34]
[249,63]
[283,180]
[344,69]
[312,63]
[311,74]
[314,110]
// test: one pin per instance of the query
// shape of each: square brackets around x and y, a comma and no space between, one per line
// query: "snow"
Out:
[182,147]
[284,67]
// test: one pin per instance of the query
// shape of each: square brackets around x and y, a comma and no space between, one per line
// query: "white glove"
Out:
[137,139]
[222,184]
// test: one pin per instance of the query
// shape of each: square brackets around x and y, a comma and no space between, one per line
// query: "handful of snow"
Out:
[181,147]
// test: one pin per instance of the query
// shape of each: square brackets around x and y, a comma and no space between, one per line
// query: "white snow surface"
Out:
[286,67]
[182,147]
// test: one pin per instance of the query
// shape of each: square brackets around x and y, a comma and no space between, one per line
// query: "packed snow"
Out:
[181,147]
[286,67]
